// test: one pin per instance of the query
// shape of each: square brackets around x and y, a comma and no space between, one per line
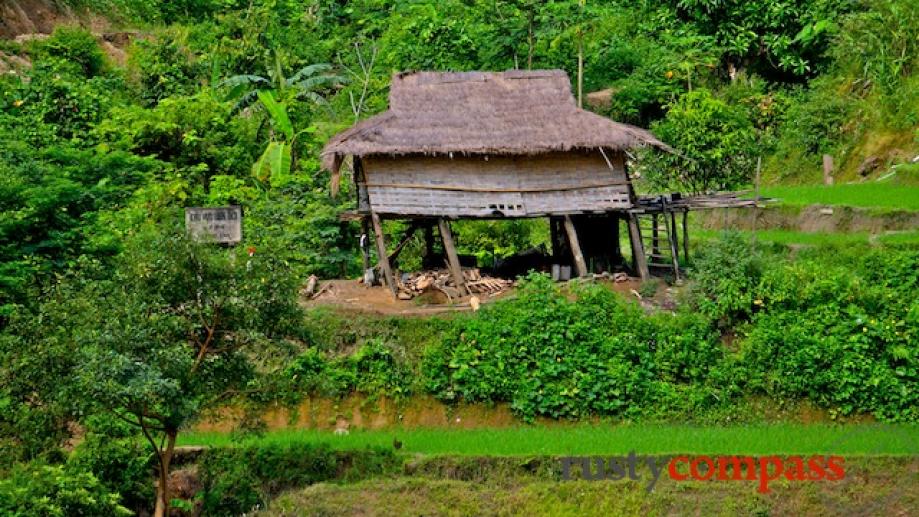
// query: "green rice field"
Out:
[882,195]
[850,439]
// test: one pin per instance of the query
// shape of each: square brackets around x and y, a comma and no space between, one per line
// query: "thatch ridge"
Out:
[502,113]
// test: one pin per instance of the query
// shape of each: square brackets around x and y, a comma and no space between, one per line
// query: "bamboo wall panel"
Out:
[473,186]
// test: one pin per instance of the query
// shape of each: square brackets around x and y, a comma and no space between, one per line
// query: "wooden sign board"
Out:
[222,224]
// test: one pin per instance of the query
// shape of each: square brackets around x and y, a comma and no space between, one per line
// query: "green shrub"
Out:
[377,371]
[717,145]
[842,334]
[121,464]
[75,46]
[310,373]
[163,68]
[725,273]
[372,370]
[56,491]
[237,480]
[551,356]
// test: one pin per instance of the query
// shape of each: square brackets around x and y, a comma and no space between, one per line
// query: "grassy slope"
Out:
[872,486]
[853,439]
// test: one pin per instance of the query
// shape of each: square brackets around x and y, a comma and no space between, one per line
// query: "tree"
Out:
[784,36]
[173,334]
[716,142]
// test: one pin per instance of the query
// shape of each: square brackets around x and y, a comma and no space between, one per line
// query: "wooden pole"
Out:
[827,169]
[638,250]
[686,235]
[575,246]
[759,163]
[381,253]
[406,237]
[581,56]
[655,238]
[452,258]
[674,245]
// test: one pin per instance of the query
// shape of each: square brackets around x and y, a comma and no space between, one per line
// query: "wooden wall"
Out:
[476,186]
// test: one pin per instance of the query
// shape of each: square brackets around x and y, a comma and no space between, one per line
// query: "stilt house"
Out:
[495,145]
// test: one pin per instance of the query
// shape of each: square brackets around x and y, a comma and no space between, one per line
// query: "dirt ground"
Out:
[355,296]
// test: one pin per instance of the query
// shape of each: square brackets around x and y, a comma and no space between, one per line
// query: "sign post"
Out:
[221,224]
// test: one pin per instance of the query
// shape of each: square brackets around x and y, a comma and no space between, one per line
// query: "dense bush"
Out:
[836,328]
[717,143]
[725,273]
[116,456]
[238,480]
[37,490]
[551,356]
[373,370]
[841,334]
[75,46]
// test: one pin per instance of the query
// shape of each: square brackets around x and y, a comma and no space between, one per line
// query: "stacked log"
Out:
[441,280]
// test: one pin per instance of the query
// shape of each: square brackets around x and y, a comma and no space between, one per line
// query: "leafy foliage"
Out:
[813,330]
[46,490]
[717,142]
[726,274]
[237,480]
[93,153]
[549,356]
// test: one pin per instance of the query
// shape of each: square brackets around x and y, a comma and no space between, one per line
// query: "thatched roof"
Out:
[502,113]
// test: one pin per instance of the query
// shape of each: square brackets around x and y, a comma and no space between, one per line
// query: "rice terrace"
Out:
[459,257]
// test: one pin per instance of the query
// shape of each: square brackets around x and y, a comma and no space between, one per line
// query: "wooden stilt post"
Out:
[575,246]
[638,250]
[674,245]
[452,258]
[365,250]
[686,234]
[381,253]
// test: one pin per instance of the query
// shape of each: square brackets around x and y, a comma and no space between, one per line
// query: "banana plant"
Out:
[274,165]
[272,93]
[305,84]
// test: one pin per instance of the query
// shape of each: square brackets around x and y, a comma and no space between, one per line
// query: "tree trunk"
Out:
[581,56]
[530,15]
[162,486]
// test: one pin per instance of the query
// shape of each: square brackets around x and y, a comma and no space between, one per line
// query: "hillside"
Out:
[144,371]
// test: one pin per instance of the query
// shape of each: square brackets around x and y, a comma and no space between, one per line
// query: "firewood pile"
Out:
[441,280]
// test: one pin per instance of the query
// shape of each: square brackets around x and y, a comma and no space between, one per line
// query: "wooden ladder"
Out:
[659,239]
